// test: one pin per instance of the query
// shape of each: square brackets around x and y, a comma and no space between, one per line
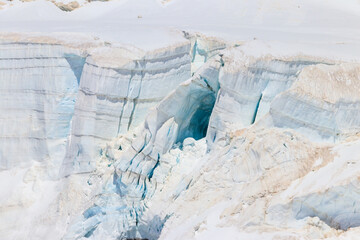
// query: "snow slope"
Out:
[327,27]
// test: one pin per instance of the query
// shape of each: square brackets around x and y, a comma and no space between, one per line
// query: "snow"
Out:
[283,26]
[25,192]
[337,173]
[166,140]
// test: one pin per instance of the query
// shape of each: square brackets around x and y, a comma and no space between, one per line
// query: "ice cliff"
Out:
[195,140]
[117,87]
[39,86]
[63,101]
[335,103]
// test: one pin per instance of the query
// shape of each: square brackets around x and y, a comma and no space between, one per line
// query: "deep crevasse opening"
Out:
[197,121]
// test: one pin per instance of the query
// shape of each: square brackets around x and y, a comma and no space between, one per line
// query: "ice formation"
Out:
[133,129]
[117,87]
[39,83]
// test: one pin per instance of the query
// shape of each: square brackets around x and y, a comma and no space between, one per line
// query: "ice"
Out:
[39,84]
[325,113]
[117,89]
[178,119]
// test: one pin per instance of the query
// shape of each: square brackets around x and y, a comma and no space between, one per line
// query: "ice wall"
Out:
[308,94]
[38,84]
[247,87]
[323,104]
[62,100]
[117,89]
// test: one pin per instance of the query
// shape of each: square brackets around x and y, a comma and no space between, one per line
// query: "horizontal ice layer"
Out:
[323,105]
[38,86]
[247,87]
[117,88]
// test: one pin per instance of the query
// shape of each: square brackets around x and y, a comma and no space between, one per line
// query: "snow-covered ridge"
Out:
[65,5]
[79,41]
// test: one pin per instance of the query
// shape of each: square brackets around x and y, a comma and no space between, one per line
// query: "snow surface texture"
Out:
[178,135]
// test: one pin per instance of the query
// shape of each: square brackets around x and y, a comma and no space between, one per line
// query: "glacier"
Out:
[149,162]
[171,120]
[144,168]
